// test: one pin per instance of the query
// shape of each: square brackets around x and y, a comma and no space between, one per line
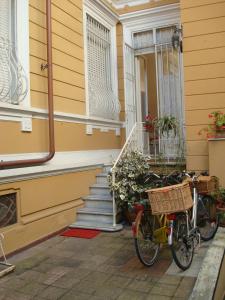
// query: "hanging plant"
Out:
[167,125]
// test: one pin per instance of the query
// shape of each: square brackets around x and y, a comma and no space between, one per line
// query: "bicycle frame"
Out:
[192,222]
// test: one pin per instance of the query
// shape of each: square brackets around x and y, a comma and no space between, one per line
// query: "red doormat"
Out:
[81,233]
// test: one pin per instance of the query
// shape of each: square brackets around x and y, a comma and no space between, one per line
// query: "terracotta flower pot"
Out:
[220,128]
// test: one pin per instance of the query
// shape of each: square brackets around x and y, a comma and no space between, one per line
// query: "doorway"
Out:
[158,83]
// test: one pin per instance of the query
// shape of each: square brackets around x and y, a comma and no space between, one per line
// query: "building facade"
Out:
[113,63]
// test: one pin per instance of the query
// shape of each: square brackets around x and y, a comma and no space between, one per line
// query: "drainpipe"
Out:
[38,161]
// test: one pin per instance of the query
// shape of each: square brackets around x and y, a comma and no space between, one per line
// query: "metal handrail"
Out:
[122,152]
[138,141]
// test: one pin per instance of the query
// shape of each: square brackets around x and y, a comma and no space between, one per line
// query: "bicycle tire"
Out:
[182,247]
[146,248]
[207,219]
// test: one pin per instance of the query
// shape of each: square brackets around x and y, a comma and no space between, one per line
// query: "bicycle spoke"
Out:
[207,220]
[182,247]
[146,247]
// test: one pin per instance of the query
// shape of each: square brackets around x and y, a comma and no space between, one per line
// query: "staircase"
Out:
[98,210]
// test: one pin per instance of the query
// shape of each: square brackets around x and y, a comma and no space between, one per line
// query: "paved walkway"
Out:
[105,267]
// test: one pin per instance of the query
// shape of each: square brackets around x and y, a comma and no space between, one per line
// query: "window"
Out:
[8,209]
[13,81]
[101,69]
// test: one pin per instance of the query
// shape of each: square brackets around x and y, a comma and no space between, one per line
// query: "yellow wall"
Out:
[68,137]
[48,204]
[204,71]
[152,89]
[45,205]
[68,55]
[217,159]
[151,4]
[68,84]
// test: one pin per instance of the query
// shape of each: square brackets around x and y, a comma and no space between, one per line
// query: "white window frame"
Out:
[22,37]
[109,20]
[22,45]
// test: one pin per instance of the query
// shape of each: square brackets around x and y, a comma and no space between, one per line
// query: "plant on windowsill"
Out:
[130,184]
[217,128]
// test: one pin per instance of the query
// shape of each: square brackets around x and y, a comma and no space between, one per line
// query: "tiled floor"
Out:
[105,267]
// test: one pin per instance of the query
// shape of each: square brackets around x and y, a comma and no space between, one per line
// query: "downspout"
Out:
[31,162]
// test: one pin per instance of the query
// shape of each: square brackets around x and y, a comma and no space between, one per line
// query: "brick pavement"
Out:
[105,267]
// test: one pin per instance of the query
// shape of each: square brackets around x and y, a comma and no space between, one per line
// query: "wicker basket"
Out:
[205,184]
[170,199]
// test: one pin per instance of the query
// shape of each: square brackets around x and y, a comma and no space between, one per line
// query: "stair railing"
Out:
[136,141]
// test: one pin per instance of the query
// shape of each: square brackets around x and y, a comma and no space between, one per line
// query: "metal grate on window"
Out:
[8,210]
[13,81]
[102,100]
[143,39]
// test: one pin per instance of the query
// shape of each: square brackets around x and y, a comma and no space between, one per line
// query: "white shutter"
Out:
[13,80]
[5,37]
[102,100]
[5,8]
[130,96]
[143,40]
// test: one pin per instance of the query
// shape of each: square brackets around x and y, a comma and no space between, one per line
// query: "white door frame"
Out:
[142,21]
[138,88]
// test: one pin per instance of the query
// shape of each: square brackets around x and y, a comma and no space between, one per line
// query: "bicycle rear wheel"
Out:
[182,247]
[146,247]
[207,219]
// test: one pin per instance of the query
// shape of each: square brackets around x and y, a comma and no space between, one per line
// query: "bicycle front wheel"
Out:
[146,247]
[182,247]
[207,219]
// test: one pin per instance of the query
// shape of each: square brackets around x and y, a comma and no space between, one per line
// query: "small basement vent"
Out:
[8,210]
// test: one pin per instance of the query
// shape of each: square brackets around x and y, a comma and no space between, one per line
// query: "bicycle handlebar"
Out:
[191,175]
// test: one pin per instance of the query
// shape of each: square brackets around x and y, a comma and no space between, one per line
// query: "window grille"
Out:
[8,210]
[13,81]
[143,39]
[102,99]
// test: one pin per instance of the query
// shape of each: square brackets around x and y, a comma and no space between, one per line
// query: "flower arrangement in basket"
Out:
[217,128]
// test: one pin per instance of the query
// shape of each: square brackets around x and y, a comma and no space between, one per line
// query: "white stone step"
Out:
[100,189]
[107,168]
[102,178]
[90,214]
[98,201]
[98,210]
[97,225]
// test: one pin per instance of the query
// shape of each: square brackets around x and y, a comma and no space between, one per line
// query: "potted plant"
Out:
[219,195]
[130,184]
[167,125]
[217,127]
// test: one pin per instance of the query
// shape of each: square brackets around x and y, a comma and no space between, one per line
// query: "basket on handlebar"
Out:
[170,199]
[205,184]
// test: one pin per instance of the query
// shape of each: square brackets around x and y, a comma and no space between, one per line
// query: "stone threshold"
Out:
[206,283]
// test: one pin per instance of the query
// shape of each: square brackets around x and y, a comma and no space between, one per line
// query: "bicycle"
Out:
[148,229]
[182,230]
[207,219]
